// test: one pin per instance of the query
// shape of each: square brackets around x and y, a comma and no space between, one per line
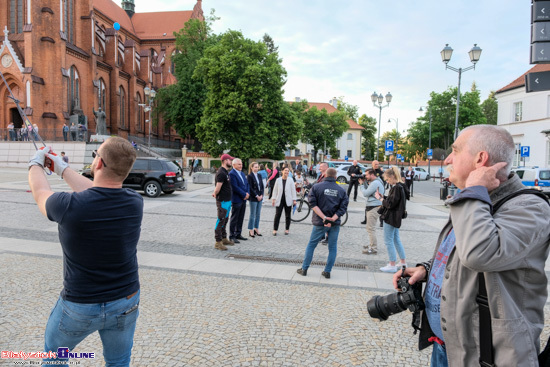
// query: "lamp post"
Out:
[380,99]
[430,139]
[150,94]
[446,54]
[396,138]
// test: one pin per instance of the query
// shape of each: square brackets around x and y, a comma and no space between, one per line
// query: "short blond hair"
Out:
[119,156]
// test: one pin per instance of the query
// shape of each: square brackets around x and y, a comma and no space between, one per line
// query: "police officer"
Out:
[329,202]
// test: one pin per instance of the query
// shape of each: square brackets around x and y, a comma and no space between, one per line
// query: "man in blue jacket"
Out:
[329,202]
[241,193]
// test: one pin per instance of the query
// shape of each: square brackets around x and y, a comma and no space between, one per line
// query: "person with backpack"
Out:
[482,253]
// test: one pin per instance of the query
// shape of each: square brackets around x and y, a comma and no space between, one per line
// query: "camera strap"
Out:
[486,352]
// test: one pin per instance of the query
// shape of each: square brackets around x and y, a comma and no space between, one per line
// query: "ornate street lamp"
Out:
[380,99]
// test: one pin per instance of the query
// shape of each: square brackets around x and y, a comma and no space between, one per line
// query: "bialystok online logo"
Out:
[62,353]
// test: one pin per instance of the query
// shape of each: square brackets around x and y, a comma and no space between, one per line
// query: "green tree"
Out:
[351,111]
[490,108]
[368,142]
[320,128]
[244,110]
[181,104]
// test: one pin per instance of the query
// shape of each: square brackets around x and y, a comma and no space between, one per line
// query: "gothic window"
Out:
[122,106]
[153,56]
[68,19]
[73,90]
[101,94]
[139,111]
[16,12]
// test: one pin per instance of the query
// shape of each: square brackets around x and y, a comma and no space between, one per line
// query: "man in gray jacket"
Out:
[375,184]
[510,247]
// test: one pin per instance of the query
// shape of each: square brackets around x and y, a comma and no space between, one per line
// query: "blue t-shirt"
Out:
[99,230]
[435,281]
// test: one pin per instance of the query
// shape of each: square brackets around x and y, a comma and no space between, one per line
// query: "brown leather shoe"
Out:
[228,242]
[219,246]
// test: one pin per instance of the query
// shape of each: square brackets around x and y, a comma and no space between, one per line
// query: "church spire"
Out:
[128,6]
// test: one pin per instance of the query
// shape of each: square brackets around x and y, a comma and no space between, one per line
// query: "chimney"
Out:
[297,99]
[334,102]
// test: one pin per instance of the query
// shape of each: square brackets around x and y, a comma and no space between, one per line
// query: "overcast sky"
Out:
[353,48]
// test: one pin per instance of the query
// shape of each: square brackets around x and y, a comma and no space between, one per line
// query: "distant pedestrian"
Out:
[375,185]
[329,203]
[35,131]
[222,193]
[191,166]
[65,132]
[256,184]
[354,171]
[284,198]
[73,130]
[64,157]
[409,178]
[298,166]
[239,196]
[263,173]
[11,131]
[271,180]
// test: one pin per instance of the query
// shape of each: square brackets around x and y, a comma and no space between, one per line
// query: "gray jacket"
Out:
[370,190]
[511,248]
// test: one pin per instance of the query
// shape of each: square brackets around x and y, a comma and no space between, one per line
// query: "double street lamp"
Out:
[380,99]
[430,139]
[446,54]
[150,95]
[396,138]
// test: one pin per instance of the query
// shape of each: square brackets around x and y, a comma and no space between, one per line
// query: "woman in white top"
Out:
[284,197]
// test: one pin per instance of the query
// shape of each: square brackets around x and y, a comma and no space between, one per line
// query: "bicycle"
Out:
[302,210]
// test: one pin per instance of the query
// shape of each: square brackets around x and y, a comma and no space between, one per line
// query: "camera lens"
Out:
[383,307]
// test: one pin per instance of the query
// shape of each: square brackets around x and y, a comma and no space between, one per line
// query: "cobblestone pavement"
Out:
[190,319]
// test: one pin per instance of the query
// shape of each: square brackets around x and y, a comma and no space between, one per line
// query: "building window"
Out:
[518,111]
[350,136]
[101,94]
[349,154]
[139,111]
[68,20]
[73,90]
[122,106]
[517,156]
[16,12]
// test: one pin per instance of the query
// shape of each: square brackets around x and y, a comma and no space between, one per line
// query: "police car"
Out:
[536,177]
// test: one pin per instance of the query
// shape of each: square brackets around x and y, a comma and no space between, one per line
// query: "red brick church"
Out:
[63,58]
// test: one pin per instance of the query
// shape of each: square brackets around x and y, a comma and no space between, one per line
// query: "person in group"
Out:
[393,208]
[11,131]
[35,131]
[284,198]
[222,193]
[24,133]
[64,157]
[65,132]
[323,166]
[378,170]
[329,203]
[239,196]
[409,177]
[82,132]
[272,178]
[375,185]
[354,172]
[510,247]
[256,185]
[73,130]
[263,174]
[299,166]
[99,229]
[299,181]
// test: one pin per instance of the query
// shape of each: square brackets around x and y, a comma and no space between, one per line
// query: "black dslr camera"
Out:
[409,296]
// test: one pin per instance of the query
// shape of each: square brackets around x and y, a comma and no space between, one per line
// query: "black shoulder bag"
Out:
[486,357]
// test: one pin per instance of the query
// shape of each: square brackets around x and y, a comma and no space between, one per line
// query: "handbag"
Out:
[383,212]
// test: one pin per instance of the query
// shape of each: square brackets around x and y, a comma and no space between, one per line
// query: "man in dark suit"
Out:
[241,193]
[354,172]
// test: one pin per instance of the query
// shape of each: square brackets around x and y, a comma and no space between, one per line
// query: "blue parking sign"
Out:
[399,156]
[389,145]
[525,151]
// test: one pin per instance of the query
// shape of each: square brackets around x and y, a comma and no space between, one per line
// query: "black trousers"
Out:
[353,183]
[278,212]
[223,217]
[237,218]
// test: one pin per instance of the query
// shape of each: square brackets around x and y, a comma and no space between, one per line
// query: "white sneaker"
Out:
[389,268]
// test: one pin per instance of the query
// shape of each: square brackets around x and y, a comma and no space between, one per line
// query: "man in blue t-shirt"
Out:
[99,227]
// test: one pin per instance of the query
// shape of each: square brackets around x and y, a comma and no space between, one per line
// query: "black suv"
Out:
[153,176]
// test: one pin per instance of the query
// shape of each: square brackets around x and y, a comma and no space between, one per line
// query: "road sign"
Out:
[399,156]
[525,151]
[430,153]
[540,32]
[540,53]
[389,145]
[537,82]
[540,11]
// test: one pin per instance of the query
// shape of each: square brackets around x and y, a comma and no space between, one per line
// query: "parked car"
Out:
[420,174]
[342,171]
[152,176]
[537,177]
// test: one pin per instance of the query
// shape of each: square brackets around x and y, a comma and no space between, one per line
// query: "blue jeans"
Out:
[393,242]
[439,356]
[71,322]
[317,234]
[254,219]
